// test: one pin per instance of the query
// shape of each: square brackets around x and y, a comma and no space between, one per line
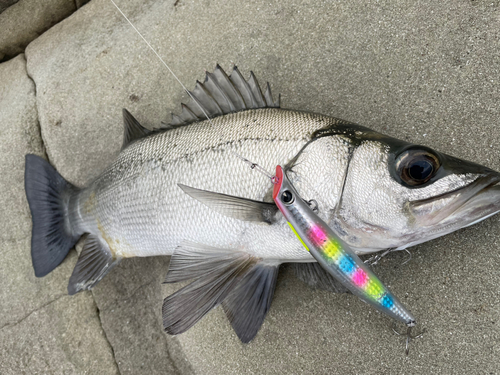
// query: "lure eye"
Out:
[287,197]
[416,167]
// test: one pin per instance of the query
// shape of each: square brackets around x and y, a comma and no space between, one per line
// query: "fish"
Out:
[180,190]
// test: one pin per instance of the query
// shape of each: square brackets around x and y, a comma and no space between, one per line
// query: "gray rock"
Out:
[62,337]
[20,291]
[130,307]
[41,329]
[19,134]
[26,20]
[424,72]
[80,3]
[4,4]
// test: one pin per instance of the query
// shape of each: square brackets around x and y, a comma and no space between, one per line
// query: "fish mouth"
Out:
[460,208]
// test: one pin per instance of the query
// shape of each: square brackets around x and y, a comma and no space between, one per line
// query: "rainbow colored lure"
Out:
[333,254]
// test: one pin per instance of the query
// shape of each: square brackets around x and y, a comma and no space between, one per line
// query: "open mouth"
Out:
[465,206]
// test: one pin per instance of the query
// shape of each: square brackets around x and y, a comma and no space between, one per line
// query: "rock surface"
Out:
[129,304]
[62,337]
[25,20]
[427,72]
[42,330]
[4,4]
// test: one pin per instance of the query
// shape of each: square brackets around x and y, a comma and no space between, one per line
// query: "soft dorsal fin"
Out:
[220,95]
[132,129]
[235,207]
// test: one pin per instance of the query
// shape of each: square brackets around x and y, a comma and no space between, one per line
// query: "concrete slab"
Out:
[41,329]
[427,72]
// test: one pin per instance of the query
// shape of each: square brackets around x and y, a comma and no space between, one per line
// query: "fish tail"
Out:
[48,196]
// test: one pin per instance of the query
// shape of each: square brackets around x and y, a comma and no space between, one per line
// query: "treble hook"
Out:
[409,336]
[409,258]
[374,259]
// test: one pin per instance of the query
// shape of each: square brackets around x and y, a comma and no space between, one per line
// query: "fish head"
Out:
[387,193]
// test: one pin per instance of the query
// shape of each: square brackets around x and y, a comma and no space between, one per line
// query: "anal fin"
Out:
[247,305]
[216,273]
[94,263]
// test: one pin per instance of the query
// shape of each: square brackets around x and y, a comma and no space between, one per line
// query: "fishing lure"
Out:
[333,254]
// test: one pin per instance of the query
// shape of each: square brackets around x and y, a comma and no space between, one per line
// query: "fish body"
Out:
[182,190]
[137,206]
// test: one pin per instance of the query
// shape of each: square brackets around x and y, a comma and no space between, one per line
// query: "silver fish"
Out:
[180,190]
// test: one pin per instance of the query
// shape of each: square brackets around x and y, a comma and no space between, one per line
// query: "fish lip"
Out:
[464,195]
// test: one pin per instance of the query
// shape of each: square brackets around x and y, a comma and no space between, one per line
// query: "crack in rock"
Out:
[138,288]
[132,294]
[38,123]
[98,311]
[9,325]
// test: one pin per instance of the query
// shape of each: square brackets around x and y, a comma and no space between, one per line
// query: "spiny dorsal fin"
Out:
[315,276]
[216,273]
[219,95]
[247,305]
[235,207]
[132,129]
[94,263]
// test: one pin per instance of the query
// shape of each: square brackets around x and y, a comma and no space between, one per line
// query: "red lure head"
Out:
[277,181]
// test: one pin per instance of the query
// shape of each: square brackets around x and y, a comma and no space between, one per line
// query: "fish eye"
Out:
[287,197]
[416,167]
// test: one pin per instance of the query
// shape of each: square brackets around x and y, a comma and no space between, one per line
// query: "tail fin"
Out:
[48,195]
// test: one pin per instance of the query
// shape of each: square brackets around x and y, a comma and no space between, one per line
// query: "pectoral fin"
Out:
[235,207]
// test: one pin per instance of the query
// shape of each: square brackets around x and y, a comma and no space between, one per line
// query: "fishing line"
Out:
[164,63]
[252,165]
